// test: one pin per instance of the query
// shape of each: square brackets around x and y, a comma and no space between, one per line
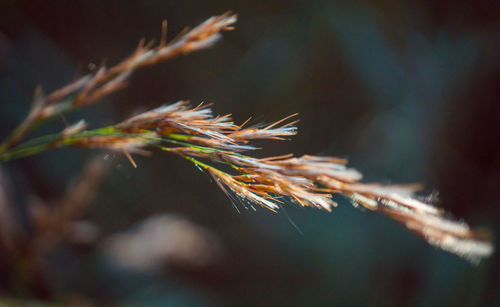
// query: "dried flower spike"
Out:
[207,140]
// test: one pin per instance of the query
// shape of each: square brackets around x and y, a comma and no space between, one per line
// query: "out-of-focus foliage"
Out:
[407,90]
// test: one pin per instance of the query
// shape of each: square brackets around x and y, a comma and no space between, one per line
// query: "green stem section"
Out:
[51,141]
[22,152]
[193,160]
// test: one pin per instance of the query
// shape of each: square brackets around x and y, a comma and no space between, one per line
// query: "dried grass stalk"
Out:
[195,134]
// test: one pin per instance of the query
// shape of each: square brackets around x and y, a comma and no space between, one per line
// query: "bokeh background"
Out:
[408,91]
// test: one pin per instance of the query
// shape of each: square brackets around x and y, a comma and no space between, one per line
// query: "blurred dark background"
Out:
[407,90]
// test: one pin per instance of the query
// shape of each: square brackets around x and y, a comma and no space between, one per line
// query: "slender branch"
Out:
[92,87]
